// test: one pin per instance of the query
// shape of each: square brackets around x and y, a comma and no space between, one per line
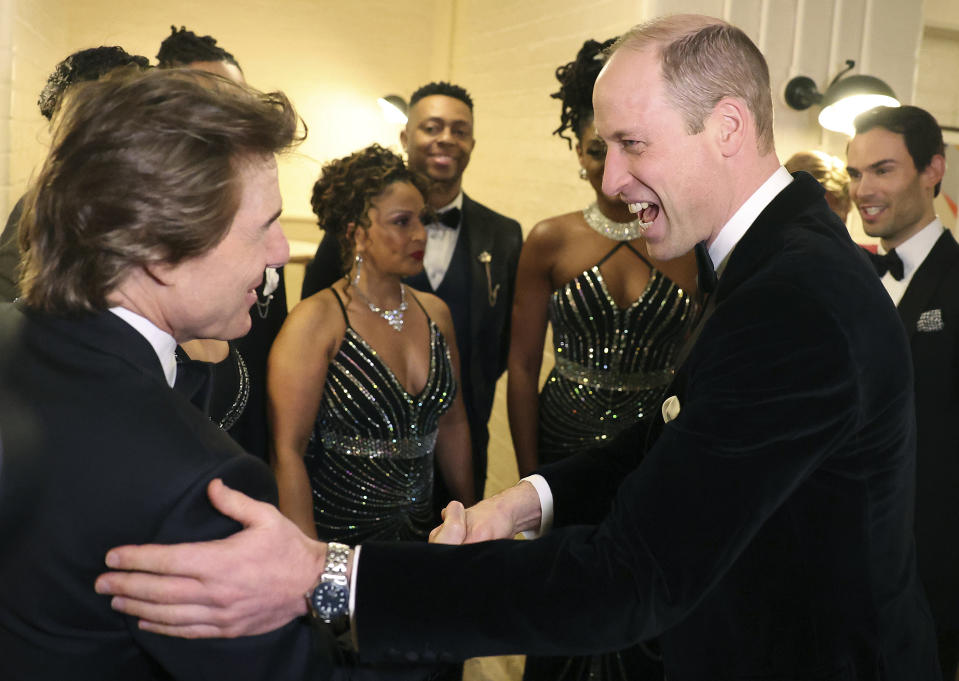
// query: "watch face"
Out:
[331,601]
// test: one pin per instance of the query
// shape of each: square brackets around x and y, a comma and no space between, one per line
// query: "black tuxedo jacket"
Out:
[768,532]
[491,304]
[106,453]
[930,312]
[487,232]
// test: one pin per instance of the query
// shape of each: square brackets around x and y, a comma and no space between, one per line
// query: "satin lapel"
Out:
[925,282]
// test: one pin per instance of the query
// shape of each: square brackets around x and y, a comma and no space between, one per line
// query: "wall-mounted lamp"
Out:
[394,108]
[845,98]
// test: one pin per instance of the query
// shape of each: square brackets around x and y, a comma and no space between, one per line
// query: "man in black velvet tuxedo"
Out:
[471,257]
[896,162]
[145,228]
[767,534]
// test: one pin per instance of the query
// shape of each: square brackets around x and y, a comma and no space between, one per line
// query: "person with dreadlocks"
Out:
[618,318]
[84,65]
[186,48]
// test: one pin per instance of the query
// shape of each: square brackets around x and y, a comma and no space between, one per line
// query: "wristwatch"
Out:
[329,601]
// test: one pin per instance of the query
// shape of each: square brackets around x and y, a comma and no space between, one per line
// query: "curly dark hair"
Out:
[89,64]
[184,47]
[442,88]
[347,185]
[576,81]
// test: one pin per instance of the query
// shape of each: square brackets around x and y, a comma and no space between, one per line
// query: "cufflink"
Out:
[670,408]
[930,320]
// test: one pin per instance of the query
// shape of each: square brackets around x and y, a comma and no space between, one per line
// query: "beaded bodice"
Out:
[370,457]
[612,363]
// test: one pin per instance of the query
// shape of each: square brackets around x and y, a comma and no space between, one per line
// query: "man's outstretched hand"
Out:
[502,516]
[249,583]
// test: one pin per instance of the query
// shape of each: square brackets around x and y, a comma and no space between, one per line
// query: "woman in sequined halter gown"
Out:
[618,319]
[362,378]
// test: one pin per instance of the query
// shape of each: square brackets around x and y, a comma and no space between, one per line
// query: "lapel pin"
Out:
[492,291]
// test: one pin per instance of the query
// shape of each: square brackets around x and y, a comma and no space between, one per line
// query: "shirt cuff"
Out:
[545,505]
[356,563]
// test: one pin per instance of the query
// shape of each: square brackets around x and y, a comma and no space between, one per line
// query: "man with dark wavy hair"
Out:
[896,163]
[145,228]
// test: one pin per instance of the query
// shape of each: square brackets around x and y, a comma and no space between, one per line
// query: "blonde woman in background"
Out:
[830,172]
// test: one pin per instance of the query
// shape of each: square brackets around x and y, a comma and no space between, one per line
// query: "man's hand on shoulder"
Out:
[249,583]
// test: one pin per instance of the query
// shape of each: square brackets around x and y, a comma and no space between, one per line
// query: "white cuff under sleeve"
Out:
[356,563]
[545,504]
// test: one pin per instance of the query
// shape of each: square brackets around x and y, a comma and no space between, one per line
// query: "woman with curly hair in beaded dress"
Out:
[618,319]
[363,376]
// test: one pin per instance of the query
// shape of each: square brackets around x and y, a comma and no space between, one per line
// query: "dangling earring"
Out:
[358,261]
[582,174]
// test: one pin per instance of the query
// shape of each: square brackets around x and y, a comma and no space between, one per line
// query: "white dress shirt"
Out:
[721,247]
[912,252]
[440,244]
[162,343]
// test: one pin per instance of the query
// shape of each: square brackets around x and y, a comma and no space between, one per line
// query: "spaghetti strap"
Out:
[630,247]
[342,309]
[609,255]
[409,290]
[639,255]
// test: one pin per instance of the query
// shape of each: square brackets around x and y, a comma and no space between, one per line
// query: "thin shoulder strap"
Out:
[613,250]
[342,308]
[639,255]
[409,289]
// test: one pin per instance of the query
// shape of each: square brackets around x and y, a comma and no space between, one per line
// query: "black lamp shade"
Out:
[845,99]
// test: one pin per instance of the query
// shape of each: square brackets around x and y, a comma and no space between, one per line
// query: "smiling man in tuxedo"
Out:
[149,224]
[896,162]
[471,257]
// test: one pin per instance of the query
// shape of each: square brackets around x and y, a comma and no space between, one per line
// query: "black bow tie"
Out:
[890,262]
[706,275]
[450,218]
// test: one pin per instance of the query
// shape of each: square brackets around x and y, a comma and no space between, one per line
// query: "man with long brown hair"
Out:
[150,224]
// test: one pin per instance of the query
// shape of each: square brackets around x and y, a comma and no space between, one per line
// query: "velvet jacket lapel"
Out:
[925,282]
[764,237]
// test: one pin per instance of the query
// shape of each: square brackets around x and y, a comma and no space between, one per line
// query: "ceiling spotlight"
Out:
[394,108]
[845,98]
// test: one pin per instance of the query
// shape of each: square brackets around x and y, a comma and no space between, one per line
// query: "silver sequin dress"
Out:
[612,364]
[370,456]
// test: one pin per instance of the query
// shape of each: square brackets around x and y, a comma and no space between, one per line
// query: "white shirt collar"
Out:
[162,343]
[914,250]
[743,218]
[455,203]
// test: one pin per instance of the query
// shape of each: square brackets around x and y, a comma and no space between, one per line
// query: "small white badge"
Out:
[670,408]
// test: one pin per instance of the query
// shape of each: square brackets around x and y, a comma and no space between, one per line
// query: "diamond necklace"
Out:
[393,317]
[617,231]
